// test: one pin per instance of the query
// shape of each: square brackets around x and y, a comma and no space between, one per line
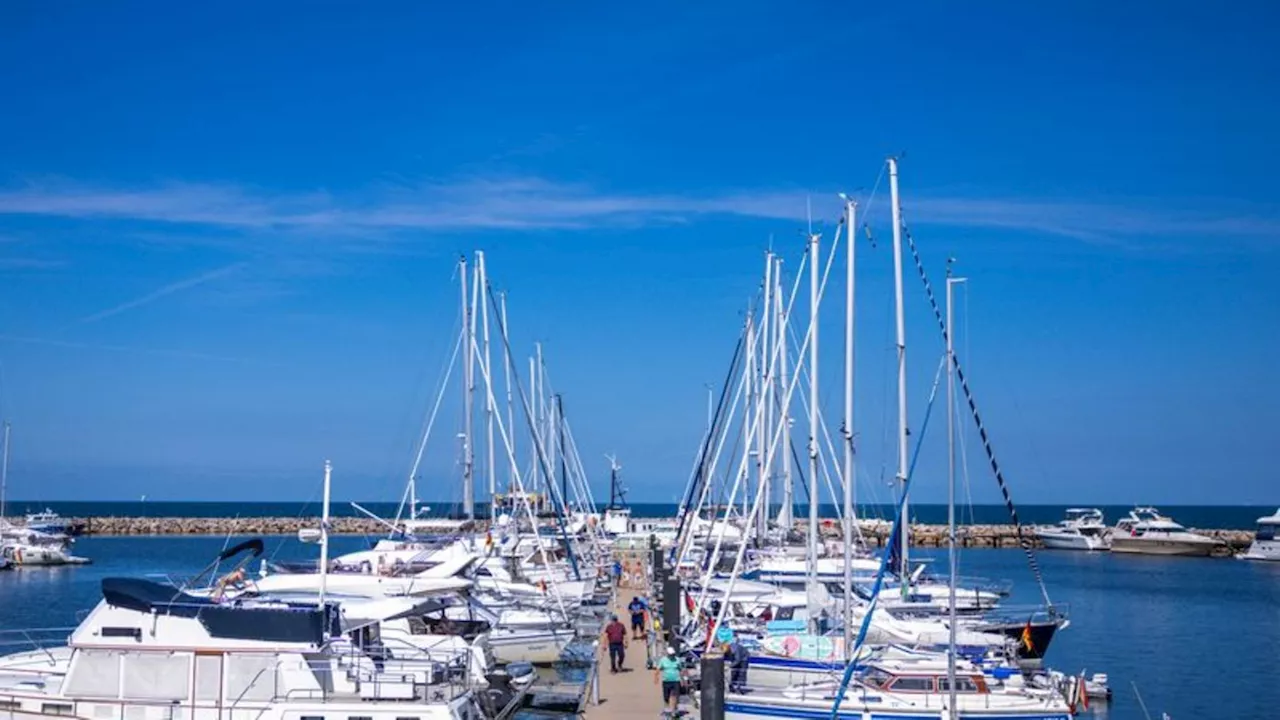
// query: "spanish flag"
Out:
[1026,637]
[542,585]
[488,540]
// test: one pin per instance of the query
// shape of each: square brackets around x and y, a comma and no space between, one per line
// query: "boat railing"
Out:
[1028,613]
[34,639]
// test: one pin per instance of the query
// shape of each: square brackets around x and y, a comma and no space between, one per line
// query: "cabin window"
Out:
[785,613]
[359,717]
[208,678]
[484,572]
[57,709]
[312,717]
[10,705]
[963,684]
[250,677]
[94,674]
[1266,532]
[414,717]
[157,676]
[912,684]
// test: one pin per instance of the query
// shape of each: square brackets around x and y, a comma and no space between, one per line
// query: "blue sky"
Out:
[227,235]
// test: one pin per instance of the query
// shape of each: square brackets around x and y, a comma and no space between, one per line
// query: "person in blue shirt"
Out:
[637,608]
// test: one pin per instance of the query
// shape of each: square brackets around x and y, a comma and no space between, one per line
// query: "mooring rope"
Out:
[1023,539]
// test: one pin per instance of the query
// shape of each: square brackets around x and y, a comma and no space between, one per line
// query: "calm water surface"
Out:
[1197,636]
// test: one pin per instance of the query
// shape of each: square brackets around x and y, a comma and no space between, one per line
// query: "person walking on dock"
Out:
[668,673]
[637,609]
[739,660]
[616,636]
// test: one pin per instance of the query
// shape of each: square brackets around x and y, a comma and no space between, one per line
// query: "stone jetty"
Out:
[876,532]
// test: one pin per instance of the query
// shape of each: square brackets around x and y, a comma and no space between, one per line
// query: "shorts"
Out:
[637,621]
[670,689]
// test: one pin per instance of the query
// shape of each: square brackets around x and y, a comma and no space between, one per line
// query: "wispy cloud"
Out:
[29,263]
[533,203]
[162,292]
[163,352]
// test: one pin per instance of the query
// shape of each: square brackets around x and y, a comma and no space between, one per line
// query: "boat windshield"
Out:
[1266,531]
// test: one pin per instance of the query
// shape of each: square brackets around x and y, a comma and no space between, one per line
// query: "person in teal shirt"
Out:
[668,672]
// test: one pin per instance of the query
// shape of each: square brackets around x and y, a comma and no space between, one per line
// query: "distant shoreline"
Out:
[875,531]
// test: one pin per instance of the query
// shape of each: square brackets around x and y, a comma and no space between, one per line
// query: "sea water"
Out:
[1197,636]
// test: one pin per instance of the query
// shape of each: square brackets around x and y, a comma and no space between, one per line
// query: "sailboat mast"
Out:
[900,312]
[764,464]
[951,494]
[4,472]
[849,519]
[564,468]
[506,369]
[812,567]
[324,533]
[786,514]
[468,479]
[749,377]
[482,284]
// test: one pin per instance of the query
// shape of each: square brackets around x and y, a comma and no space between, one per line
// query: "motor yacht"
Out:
[1083,529]
[1266,541]
[1146,532]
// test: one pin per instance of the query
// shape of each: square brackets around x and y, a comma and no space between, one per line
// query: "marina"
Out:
[684,361]
[741,604]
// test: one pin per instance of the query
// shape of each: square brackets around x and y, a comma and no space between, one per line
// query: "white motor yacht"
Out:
[1266,541]
[1146,532]
[1083,529]
[151,651]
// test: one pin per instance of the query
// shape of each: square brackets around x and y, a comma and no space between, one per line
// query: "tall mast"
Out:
[786,514]
[537,419]
[4,472]
[763,463]
[564,468]
[849,518]
[748,410]
[482,286]
[900,311]
[951,493]
[468,457]
[506,368]
[324,533]
[814,497]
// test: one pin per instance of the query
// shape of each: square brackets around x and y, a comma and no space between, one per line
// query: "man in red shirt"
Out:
[615,634]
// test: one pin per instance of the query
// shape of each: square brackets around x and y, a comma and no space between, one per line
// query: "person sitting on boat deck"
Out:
[637,608]
[739,660]
[767,615]
[616,636]
[235,578]
[668,672]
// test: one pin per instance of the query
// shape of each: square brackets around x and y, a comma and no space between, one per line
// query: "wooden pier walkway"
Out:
[631,694]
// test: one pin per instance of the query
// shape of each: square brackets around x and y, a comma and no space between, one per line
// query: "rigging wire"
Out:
[1023,538]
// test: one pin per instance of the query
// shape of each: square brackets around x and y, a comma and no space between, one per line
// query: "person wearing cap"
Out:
[667,671]
[616,636]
